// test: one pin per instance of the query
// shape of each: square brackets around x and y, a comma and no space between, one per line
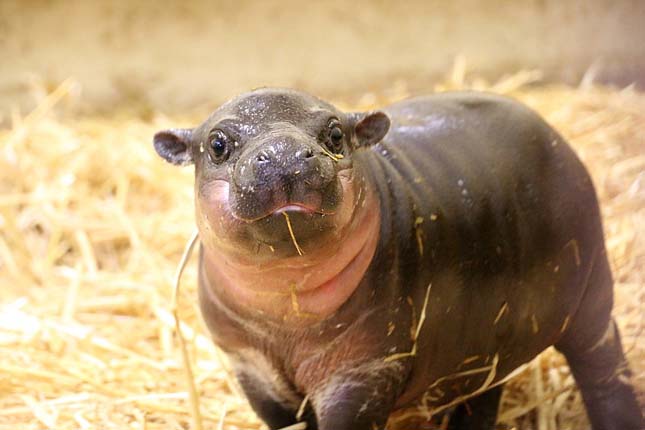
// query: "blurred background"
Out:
[173,55]
[93,223]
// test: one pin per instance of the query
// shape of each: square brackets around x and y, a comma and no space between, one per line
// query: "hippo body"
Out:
[452,238]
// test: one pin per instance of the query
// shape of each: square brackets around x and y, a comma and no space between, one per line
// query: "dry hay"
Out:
[92,228]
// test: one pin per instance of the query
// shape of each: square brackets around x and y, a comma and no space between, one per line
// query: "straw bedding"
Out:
[92,227]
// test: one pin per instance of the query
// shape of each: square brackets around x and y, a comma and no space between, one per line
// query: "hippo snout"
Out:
[286,163]
[283,171]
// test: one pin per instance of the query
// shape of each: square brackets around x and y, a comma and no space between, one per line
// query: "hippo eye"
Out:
[335,135]
[218,146]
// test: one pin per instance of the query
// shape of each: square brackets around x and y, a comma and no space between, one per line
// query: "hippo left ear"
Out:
[370,128]
[174,145]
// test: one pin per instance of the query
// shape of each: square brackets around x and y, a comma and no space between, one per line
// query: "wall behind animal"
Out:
[176,54]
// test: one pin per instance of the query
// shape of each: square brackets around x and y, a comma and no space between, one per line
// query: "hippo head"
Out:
[276,184]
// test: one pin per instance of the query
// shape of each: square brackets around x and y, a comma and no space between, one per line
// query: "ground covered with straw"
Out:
[92,227]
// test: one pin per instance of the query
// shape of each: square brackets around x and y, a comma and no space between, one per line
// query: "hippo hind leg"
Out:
[478,413]
[593,350]
[603,376]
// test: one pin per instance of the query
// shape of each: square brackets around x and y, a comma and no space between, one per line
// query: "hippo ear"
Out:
[371,127]
[174,145]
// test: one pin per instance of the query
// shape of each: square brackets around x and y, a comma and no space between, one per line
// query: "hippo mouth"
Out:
[295,208]
[293,232]
[258,202]
[303,208]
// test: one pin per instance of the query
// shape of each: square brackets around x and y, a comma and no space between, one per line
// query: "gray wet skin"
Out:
[482,208]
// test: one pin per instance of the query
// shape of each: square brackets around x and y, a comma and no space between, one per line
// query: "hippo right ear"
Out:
[174,145]
[370,128]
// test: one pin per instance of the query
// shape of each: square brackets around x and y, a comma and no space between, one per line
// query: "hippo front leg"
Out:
[271,409]
[360,399]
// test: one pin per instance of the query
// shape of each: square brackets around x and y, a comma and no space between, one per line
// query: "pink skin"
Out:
[303,288]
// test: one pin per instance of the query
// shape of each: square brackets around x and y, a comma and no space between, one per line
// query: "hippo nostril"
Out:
[263,157]
[308,153]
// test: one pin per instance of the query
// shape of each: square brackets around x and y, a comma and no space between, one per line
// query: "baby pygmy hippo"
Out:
[419,254]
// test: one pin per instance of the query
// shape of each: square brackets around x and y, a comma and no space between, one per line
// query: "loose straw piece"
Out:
[335,157]
[293,236]
[41,111]
[294,299]
[297,426]
[192,389]
[422,319]
[301,409]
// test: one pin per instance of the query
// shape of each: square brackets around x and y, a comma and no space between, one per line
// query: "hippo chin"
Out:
[414,255]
